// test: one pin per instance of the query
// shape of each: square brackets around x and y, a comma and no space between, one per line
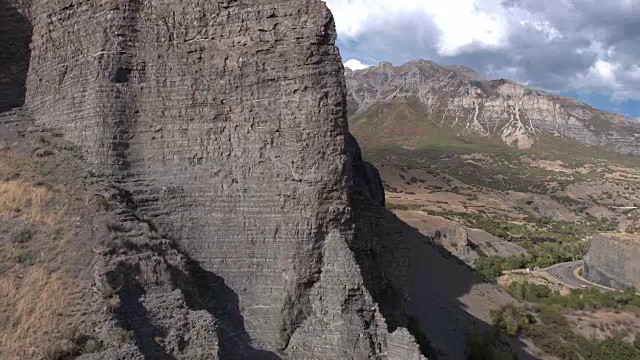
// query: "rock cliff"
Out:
[231,216]
[470,244]
[459,98]
[612,260]
[237,189]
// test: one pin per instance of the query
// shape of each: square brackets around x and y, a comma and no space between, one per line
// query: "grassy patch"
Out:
[124,335]
[40,308]
[29,202]
[31,310]
[533,229]
[424,143]
[21,235]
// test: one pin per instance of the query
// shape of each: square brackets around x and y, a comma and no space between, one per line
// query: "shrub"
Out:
[91,346]
[113,302]
[43,153]
[21,235]
[611,348]
[529,292]
[26,259]
[511,319]
[102,202]
[489,268]
[483,347]
[124,336]
[553,333]
[114,226]
[128,243]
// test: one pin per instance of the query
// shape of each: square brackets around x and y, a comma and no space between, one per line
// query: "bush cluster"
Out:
[550,330]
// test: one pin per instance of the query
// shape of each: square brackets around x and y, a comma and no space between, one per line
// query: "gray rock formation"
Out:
[247,224]
[612,260]
[460,98]
[222,127]
[470,244]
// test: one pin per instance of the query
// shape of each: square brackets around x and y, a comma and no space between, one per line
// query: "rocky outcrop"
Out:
[469,244]
[612,260]
[242,221]
[222,128]
[458,97]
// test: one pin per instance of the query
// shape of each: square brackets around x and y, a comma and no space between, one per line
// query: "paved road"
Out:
[565,273]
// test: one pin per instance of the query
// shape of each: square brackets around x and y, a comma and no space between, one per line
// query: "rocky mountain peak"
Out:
[460,98]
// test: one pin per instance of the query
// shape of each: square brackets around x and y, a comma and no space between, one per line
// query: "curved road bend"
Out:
[565,273]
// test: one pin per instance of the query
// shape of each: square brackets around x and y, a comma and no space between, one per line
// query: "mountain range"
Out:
[458,98]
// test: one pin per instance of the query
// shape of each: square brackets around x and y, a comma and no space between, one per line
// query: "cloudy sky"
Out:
[587,49]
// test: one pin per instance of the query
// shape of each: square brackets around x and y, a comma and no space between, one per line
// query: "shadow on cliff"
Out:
[15,55]
[203,291]
[133,317]
[413,280]
[206,291]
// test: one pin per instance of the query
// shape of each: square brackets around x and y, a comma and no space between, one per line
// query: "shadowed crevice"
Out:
[416,284]
[15,54]
[133,316]
[204,290]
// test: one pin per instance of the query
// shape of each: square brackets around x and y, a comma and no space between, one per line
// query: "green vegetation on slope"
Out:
[548,242]
[545,322]
[403,137]
[531,229]
[484,346]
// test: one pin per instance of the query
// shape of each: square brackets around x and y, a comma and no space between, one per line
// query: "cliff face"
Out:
[222,127]
[612,261]
[238,218]
[460,98]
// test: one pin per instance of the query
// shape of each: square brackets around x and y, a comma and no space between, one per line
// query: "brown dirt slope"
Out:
[49,226]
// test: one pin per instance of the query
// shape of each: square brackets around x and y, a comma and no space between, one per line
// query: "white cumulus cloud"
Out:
[460,23]
[557,45]
[354,64]
[601,76]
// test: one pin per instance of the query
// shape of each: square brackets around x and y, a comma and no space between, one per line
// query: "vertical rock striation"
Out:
[225,123]
[612,260]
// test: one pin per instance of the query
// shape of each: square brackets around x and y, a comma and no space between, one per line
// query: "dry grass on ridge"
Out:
[38,301]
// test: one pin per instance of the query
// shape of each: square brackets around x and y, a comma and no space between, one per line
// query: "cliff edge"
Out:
[223,209]
[221,130]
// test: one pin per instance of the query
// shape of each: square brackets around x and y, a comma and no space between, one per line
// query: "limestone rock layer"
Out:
[226,122]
